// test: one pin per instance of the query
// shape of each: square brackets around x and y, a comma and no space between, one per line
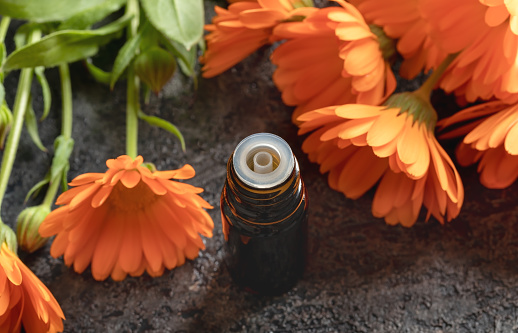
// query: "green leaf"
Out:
[91,15]
[127,52]
[98,74]
[45,90]
[47,10]
[32,126]
[164,124]
[64,46]
[179,20]
[63,147]
[35,190]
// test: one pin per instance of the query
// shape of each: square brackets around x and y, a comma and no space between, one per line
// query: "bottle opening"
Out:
[263,160]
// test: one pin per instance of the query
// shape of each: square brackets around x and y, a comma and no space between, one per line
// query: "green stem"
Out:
[427,87]
[20,105]
[51,193]
[66,126]
[133,88]
[4,25]
[66,96]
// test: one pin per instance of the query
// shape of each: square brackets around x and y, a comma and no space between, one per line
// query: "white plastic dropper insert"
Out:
[263,160]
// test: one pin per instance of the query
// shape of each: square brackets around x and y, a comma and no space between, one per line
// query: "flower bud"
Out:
[155,67]
[27,227]
[7,236]
[6,119]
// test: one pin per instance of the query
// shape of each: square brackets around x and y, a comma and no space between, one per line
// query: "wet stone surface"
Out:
[362,275]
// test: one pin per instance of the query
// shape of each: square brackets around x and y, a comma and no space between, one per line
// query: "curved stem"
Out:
[427,87]
[133,89]
[51,193]
[20,105]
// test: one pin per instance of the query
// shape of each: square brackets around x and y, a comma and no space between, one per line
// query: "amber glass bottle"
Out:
[264,215]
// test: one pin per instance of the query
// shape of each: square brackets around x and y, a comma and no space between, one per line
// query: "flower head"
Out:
[25,301]
[491,141]
[361,145]
[128,220]
[402,20]
[332,57]
[244,27]
[484,32]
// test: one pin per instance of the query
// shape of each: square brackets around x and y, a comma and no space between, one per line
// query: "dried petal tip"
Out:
[27,227]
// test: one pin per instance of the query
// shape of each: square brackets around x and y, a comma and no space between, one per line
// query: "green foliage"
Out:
[98,74]
[45,90]
[163,124]
[64,46]
[91,15]
[45,11]
[32,126]
[63,147]
[126,54]
[179,20]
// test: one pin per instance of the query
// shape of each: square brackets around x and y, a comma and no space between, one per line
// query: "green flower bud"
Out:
[28,223]
[7,236]
[6,119]
[155,67]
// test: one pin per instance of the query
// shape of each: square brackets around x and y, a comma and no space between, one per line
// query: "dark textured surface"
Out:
[363,276]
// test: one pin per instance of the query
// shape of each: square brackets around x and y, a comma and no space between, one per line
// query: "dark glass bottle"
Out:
[264,215]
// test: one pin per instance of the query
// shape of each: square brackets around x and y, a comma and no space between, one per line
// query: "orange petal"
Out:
[130,178]
[360,173]
[108,246]
[130,256]
[261,18]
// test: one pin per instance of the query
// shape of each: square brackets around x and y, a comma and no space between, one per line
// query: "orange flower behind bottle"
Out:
[332,57]
[244,27]
[361,145]
[491,140]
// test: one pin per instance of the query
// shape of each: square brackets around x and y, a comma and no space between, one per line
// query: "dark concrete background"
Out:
[363,276]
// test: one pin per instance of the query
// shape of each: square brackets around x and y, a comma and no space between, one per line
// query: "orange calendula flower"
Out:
[244,27]
[332,57]
[402,20]
[24,299]
[491,141]
[128,220]
[484,32]
[361,145]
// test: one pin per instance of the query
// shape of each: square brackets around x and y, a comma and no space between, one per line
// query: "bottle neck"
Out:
[263,206]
